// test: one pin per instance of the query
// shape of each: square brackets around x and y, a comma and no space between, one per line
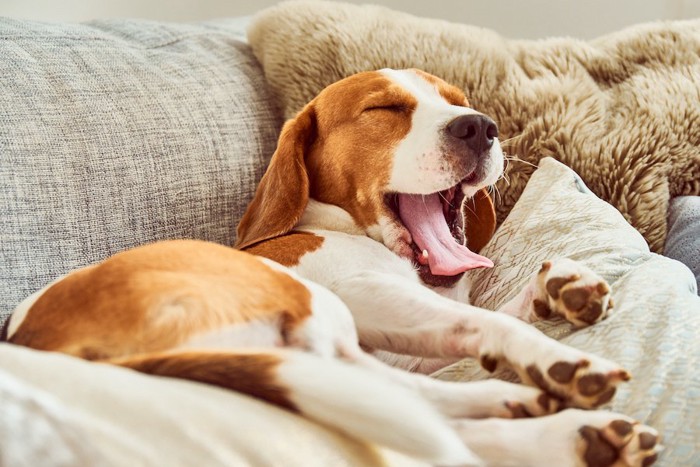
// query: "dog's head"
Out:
[403,153]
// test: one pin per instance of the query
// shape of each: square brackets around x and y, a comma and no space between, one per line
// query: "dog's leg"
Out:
[395,314]
[477,399]
[570,438]
[566,288]
[412,363]
[330,332]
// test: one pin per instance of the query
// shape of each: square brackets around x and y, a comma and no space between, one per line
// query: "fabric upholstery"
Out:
[119,133]
[654,327]
[683,241]
[620,110]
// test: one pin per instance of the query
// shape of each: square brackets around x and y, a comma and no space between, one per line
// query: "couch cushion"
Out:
[683,241]
[119,133]
[653,329]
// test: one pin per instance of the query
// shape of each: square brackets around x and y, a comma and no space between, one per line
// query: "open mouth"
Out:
[436,224]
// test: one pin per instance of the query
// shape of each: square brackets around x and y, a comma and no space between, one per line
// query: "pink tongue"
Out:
[422,215]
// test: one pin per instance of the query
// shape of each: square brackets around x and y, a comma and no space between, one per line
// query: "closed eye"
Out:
[391,108]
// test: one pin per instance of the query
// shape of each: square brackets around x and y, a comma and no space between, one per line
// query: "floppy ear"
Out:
[479,219]
[283,192]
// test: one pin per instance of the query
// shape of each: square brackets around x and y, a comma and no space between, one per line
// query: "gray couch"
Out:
[114,134]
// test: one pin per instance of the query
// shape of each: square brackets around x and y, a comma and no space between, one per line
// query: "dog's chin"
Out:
[437,281]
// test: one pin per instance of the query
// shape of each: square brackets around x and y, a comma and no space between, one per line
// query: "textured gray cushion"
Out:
[118,133]
[683,240]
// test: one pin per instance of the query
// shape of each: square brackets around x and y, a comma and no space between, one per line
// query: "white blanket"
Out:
[59,411]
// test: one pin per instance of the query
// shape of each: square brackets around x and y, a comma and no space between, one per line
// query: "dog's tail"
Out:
[356,401]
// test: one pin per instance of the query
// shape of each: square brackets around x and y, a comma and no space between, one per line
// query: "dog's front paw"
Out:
[580,383]
[577,378]
[608,439]
[572,290]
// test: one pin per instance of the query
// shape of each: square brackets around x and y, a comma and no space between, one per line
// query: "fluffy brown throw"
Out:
[623,110]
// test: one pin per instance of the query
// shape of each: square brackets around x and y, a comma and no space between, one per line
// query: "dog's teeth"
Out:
[425,254]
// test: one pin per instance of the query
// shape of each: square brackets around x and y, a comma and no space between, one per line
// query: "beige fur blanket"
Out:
[623,110]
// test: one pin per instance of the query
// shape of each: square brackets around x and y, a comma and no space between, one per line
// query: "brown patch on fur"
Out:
[155,297]
[479,220]
[283,192]
[323,153]
[345,170]
[254,374]
[287,249]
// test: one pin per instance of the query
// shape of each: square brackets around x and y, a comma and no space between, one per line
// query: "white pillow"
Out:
[654,330]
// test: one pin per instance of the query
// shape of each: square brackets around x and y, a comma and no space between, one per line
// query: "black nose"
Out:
[477,131]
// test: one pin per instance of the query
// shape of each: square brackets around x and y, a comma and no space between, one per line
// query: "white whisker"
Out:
[509,158]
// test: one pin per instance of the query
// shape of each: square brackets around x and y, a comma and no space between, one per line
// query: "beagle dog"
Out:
[351,267]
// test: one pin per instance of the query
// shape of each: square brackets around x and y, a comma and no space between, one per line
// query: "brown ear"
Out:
[283,192]
[480,220]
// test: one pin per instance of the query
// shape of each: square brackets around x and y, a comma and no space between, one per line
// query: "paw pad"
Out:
[615,445]
[647,440]
[576,299]
[599,453]
[575,383]
[555,284]
[591,384]
[572,290]
[563,372]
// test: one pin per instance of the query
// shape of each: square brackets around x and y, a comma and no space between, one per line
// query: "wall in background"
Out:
[513,18]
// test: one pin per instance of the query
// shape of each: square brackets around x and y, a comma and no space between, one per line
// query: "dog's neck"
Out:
[322,216]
